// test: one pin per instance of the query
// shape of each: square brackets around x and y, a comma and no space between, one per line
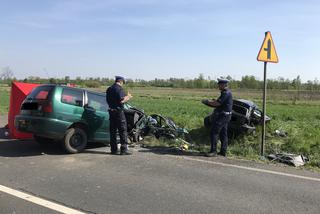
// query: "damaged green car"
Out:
[75,116]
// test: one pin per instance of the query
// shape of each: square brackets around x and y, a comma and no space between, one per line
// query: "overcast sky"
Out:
[149,39]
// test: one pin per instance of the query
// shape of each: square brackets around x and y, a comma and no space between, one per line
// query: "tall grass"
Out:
[300,120]
[4,101]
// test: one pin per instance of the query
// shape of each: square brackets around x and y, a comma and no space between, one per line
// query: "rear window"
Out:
[40,93]
[72,97]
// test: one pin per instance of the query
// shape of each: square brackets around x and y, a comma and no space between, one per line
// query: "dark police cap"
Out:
[119,78]
[222,80]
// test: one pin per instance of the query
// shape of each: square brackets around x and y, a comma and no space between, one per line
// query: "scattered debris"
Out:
[141,124]
[183,145]
[290,159]
[161,126]
[280,133]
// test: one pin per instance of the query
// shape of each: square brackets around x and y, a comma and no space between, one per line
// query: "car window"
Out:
[40,93]
[240,109]
[98,102]
[72,96]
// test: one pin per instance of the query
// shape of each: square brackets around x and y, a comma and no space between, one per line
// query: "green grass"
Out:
[4,100]
[300,119]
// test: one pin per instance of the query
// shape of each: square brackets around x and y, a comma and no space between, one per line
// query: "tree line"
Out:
[246,82]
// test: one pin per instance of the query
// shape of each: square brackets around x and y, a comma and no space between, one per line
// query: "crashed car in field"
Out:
[75,116]
[245,117]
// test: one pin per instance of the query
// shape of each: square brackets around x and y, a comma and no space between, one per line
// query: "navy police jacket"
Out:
[115,95]
[226,102]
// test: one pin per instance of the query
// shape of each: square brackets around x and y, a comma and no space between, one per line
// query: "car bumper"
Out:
[46,127]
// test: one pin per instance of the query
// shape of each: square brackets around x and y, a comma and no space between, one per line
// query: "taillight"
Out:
[47,108]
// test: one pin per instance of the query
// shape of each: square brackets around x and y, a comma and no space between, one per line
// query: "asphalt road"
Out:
[12,205]
[150,181]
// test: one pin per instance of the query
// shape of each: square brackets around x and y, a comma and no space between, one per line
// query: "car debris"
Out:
[290,159]
[141,124]
[280,133]
[184,145]
[245,117]
[161,126]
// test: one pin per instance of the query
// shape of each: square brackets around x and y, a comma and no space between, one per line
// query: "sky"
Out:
[148,39]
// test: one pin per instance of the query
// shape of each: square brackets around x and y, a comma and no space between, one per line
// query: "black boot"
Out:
[124,150]
[211,154]
[222,153]
[114,149]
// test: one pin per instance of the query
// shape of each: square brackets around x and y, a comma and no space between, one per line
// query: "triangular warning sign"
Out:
[267,51]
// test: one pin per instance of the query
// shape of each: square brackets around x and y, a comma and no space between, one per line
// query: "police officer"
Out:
[221,118]
[116,98]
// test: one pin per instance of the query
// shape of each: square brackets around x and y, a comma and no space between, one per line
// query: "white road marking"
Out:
[39,201]
[250,168]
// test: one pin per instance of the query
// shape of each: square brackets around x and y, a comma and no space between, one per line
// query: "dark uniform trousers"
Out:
[219,129]
[118,123]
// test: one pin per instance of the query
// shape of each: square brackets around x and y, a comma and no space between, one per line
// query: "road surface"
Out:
[149,181]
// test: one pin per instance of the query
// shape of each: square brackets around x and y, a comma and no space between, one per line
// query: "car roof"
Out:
[65,86]
[248,103]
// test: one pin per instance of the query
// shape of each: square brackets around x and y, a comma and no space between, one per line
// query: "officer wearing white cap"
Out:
[221,118]
[116,98]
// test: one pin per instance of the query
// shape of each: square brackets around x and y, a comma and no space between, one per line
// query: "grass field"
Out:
[299,118]
[298,114]
[4,99]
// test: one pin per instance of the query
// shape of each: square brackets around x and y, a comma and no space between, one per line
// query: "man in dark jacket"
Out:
[221,118]
[116,98]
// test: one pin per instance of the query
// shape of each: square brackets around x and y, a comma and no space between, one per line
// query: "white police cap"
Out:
[222,80]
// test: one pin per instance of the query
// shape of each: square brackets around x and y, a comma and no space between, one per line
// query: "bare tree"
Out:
[6,73]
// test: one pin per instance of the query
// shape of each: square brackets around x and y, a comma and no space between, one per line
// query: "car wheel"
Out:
[75,140]
[42,140]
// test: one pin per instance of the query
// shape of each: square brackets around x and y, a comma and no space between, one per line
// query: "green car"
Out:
[73,116]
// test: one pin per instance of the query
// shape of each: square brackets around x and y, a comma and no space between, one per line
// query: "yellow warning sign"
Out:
[267,51]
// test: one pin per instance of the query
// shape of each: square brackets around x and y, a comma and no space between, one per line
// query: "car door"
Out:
[97,116]
[68,104]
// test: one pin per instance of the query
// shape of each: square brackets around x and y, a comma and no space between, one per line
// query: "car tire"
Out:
[42,140]
[75,140]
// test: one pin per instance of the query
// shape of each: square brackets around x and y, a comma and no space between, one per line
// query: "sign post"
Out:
[266,54]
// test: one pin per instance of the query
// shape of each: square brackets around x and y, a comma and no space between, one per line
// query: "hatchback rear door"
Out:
[38,102]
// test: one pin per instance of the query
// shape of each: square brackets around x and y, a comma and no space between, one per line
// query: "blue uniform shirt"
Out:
[225,100]
[115,95]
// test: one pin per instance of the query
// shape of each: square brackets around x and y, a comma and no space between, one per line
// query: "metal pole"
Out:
[264,110]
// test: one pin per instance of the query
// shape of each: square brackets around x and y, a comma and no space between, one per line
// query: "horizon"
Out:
[284,79]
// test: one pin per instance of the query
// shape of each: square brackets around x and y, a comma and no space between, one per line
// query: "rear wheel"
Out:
[75,140]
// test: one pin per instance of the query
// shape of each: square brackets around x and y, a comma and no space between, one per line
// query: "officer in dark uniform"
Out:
[115,99]
[221,118]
